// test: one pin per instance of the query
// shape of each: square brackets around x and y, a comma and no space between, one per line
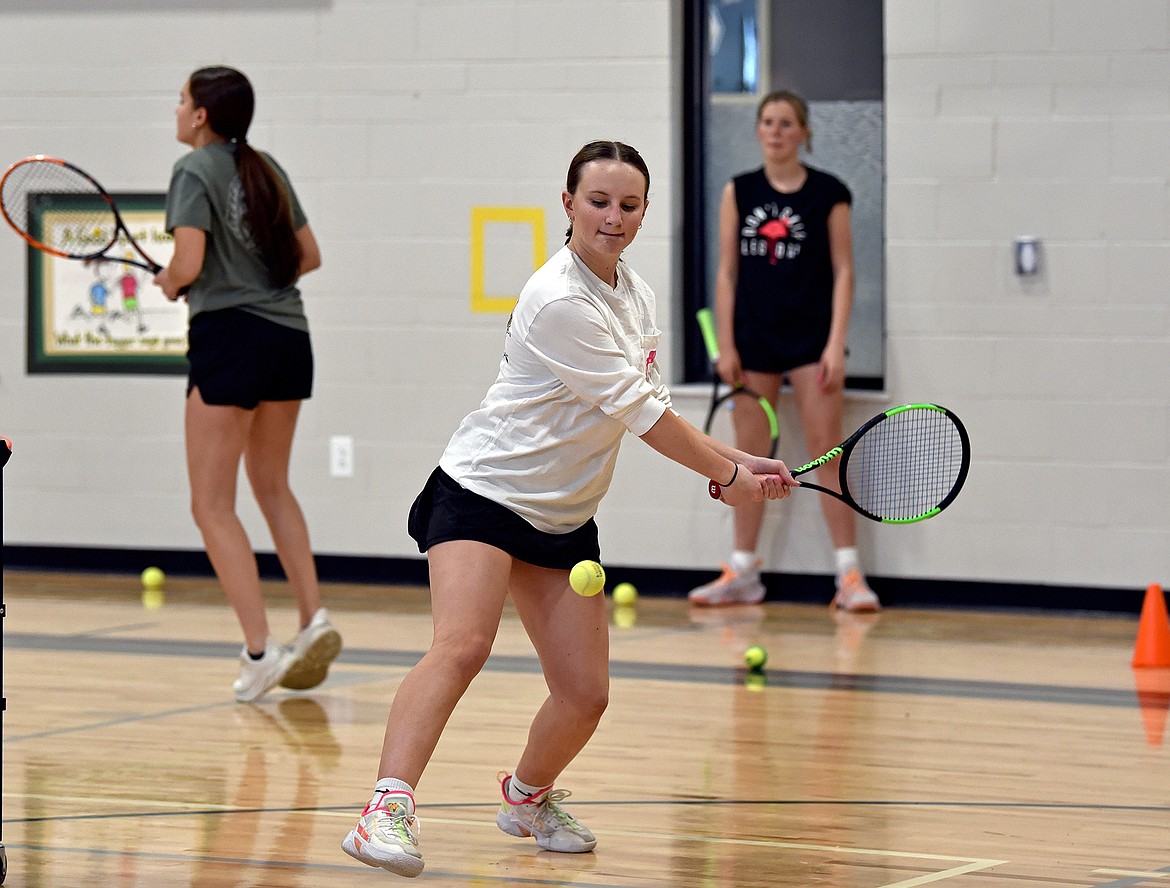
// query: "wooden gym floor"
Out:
[945,748]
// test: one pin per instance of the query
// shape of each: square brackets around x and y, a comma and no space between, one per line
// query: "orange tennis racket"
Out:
[94,228]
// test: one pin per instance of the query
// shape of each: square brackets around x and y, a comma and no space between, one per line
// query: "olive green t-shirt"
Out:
[205,193]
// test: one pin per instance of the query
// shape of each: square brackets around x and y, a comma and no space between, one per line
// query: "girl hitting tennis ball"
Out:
[510,510]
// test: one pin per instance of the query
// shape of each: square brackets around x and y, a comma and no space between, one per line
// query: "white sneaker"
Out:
[386,835]
[314,648]
[730,588]
[554,828]
[258,677]
[854,594]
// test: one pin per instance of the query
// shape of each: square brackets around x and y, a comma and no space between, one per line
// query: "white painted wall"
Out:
[1047,118]
[395,118]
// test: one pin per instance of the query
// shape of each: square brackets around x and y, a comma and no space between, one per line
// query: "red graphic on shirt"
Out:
[650,361]
[774,231]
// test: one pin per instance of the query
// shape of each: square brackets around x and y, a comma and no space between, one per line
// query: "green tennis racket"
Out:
[904,465]
[727,406]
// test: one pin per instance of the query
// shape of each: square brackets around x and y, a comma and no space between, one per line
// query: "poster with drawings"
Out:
[103,316]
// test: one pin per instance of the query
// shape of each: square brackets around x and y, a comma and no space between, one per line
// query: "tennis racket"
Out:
[724,404]
[94,225]
[904,465]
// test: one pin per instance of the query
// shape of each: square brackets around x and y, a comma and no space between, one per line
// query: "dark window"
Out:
[829,52]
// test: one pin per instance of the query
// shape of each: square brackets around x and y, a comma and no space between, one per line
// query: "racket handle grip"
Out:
[182,290]
[707,327]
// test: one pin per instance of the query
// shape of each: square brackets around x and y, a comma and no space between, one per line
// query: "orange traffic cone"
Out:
[1153,694]
[1153,638]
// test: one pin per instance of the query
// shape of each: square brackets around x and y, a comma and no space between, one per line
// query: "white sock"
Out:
[847,560]
[394,786]
[744,562]
[518,790]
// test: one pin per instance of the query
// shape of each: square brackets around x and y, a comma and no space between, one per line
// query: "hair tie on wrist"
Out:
[716,489]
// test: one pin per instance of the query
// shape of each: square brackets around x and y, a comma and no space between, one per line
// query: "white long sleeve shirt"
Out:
[579,370]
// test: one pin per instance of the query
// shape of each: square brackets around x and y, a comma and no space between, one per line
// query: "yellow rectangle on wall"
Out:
[481,302]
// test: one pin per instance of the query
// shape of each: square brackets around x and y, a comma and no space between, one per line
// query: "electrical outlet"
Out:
[341,456]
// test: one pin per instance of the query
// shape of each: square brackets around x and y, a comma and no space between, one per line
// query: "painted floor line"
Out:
[624,669]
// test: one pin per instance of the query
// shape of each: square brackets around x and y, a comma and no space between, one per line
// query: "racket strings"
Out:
[88,224]
[907,465]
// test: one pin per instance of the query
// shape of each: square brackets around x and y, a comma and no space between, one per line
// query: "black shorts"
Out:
[239,359]
[765,351]
[444,511]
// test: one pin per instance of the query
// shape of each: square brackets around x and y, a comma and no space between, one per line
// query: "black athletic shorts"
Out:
[766,351]
[239,359]
[444,511]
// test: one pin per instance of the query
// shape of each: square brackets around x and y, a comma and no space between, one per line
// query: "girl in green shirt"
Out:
[241,244]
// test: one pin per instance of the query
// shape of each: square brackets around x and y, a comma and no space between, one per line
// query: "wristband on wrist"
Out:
[734,475]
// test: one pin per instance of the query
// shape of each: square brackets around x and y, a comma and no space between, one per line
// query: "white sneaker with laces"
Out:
[386,835]
[731,587]
[314,648]
[854,595]
[258,677]
[554,828]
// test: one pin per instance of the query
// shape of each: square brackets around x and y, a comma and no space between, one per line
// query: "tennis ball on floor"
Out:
[587,578]
[624,594]
[755,657]
[153,578]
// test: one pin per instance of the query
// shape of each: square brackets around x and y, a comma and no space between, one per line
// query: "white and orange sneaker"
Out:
[386,835]
[542,817]
[732,587]
[854,595]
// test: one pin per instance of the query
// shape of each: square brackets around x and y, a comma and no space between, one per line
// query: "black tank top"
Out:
[785,284]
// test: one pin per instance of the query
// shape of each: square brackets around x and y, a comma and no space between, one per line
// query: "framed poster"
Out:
[102,317]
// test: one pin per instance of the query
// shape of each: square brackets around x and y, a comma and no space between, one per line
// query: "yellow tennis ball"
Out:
[587,578]
[153,578]
[624,594]
[755,657]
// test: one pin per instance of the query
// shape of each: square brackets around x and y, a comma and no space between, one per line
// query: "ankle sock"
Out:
[519,790]
[847,560]
[393,784]
[743,561]
[395,787]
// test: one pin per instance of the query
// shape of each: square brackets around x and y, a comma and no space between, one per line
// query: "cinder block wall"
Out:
[1004,118]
